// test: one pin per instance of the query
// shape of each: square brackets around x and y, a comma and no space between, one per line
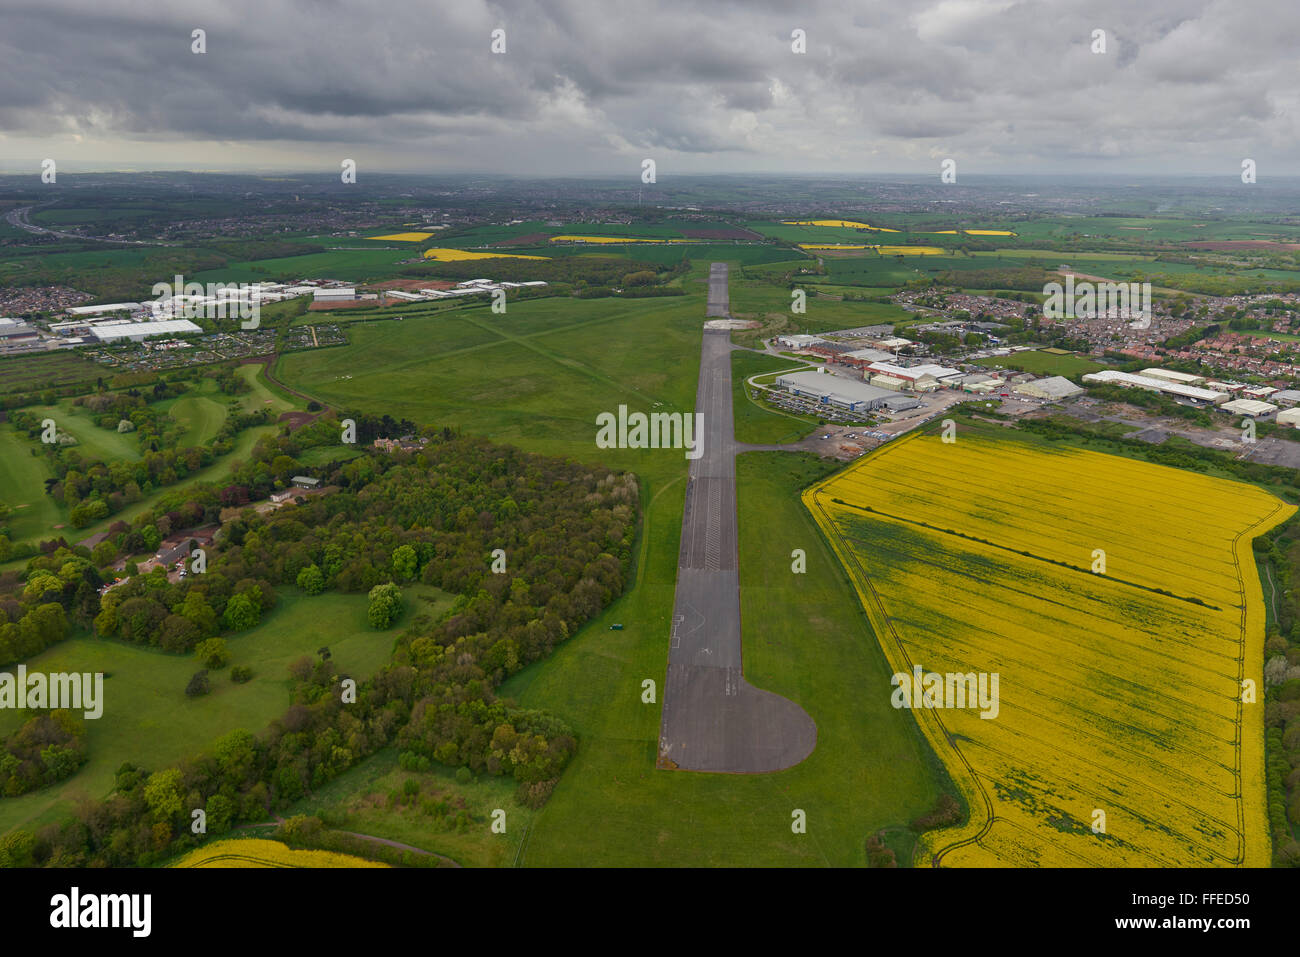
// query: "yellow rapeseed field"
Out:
[910,251]
[457,255]
[1119,685]
[614,239]
[835,246]
[883,250]
[257,852]
[404,237]
[838,223]
[990,232]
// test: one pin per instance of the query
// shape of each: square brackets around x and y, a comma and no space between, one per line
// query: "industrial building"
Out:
[861,358]
[1169,375]
[893,383]
[796,341]
[1286,398]
[1252,408]
[97,310]
[1258,392]
[137,331]
[984,386]
[1054,388]
[1129,380]
[833,390]
[922,378]
[1289,417]
[341,294]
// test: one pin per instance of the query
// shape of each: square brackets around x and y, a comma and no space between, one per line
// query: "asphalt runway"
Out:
[713,719]
[719,302]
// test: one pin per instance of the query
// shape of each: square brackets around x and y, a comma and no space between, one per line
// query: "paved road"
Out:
[18,218]
[714,720]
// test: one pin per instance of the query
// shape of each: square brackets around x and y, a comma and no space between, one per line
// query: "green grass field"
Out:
[22,487]
[149,721]
[755,299]
[200,412]
[1042,363]
[109,445]
[537,377]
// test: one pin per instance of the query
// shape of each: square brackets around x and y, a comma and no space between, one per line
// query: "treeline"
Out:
[61,592]
[436,516]
[1189,336]
[1278,554]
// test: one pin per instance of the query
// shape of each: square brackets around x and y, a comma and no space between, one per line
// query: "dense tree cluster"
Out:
[436,517]
[61,591]
[1279,553]
[46,749]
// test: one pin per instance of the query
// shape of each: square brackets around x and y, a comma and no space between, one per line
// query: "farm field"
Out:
[148,719]
[670,254]
[1119,692]
[402,237]
[36,372]
[260,852]
[1142,230]
[896,250]
[850,231]
[353,264]
[459,255]
[538,230]
[1042,363]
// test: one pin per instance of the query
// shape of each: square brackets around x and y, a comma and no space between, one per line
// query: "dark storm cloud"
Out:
[596,84]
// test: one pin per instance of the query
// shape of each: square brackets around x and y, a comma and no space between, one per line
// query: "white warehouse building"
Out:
[136,331]
[1129,380]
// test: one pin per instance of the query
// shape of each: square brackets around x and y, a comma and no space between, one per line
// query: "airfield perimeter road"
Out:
[714,720]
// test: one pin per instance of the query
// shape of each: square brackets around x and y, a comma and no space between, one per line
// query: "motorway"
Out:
[18,218]
[713,719]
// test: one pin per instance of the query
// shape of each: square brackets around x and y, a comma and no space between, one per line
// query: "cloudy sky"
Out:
[595,86]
